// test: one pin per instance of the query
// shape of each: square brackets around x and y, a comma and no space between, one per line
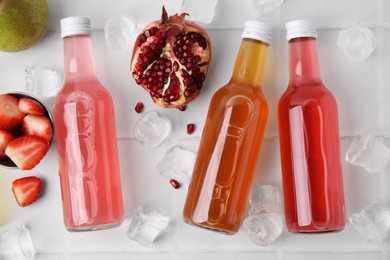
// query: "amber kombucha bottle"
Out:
[231,139]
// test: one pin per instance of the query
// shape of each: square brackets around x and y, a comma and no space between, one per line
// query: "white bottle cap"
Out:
[300,28]
[75,26]
[258,31]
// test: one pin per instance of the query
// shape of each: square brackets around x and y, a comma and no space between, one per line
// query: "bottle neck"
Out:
[250,62]
[304,67]
[78,58]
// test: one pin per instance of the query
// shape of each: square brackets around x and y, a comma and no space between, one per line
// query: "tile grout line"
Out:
[269,138]
[276,27]
[380,75]
[279,43]
[381,99]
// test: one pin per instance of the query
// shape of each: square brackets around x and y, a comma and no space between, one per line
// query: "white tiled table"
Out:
[361,89]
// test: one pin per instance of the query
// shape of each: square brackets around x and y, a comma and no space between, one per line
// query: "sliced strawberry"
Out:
[26,190]
[5,139]
[27,151]
[37,125]
[10,116]
[30,106]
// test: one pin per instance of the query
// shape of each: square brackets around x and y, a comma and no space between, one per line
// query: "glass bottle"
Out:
[309,140]
[85,131]
[223,173]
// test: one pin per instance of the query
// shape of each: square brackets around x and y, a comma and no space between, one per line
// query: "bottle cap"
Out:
[300,28]
[75,26]
[258,31]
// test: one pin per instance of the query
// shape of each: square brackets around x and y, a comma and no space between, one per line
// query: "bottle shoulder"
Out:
[296,95]
[232,89]
[313,90]
[233,95]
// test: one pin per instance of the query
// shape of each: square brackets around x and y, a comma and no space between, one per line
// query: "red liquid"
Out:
[309,146]
[87,145]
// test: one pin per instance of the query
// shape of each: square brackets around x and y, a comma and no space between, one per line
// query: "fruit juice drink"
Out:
[223,173]
[309,141]
[86,140]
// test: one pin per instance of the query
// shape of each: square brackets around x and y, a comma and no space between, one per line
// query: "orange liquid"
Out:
[223,173]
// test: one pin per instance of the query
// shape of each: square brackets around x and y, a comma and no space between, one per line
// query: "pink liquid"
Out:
[87,145]
[309,146]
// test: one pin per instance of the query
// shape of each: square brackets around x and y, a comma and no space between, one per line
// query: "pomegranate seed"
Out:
[187,80]
[175,184]
[191,88]
[187,93]
[190,129]
[175,66]
[182,108]
[139,107]
[179,42]
[141,40]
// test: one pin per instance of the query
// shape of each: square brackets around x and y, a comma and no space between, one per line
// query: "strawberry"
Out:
[10,116]
[5,139]
[26,190]
[37,125]
[30,106]
[27,151]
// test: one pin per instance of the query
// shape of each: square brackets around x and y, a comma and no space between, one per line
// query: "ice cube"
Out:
[264,199]
[368,152]
[373,222]
[16,244]
[201,11]
[265,6]
[151,129]
[177,164]
[121,32]
[357,42]
[263,229]
[146,225]
[42,83]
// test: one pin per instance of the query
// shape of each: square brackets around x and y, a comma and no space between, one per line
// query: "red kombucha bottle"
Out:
[309,140]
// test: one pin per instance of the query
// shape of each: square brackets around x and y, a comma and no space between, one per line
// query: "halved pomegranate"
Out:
[170,60]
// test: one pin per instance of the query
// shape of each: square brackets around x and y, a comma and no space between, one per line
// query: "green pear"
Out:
[22,23]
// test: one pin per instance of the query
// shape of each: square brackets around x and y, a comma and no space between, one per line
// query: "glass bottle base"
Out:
[210,228]
[93,228]
[314,231]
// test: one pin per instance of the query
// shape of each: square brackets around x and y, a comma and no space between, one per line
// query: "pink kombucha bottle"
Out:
[86,137]
[309,141]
